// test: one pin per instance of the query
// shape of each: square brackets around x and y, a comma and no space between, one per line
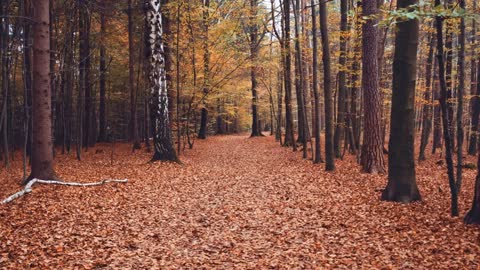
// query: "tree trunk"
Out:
[474,101]
[168,47]
[427,107]
[299,82]
[372,148]
[448,136]
[131,72]
[475,115]
[473,215]
[329,153]
[342,85]
[202,133]
[102,137]
[42,155]
[402,186]
[5,70]
[437,121]
[316,116]
[159,113]
[289,132]
[460,93]
[254,43]
[85,56]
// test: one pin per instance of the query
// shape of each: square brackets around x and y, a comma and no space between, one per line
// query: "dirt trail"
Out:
[235,202]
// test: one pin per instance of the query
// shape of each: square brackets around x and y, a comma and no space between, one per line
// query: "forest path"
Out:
[235,202]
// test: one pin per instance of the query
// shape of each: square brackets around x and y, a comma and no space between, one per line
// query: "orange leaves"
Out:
[234,203]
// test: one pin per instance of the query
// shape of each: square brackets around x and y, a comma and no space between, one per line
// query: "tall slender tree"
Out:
[316,116]
[289,132]
[255,38]
[134,137]
[445,107]
[202,133]
[402,185]
[427,107]
[102,135]
[342,81]
[372,148]
[327,88]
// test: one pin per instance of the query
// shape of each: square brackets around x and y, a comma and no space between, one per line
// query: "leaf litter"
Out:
[236,203]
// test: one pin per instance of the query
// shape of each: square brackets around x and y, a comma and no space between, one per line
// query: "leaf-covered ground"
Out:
[235,202]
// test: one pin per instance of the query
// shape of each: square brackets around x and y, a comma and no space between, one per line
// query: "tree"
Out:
[255,38]
[460,93]
[473,215]
[475,101]
[427,107]
[289,133]
[327,89]
[42,155]
[402,185]
[372,148]
[446,111]
[202,133]
[299,80]
[102,135]
[131,71]
[316,128]
[342,83]
[162,137]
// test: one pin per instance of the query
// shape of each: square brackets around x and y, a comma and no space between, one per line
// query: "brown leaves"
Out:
[234,203]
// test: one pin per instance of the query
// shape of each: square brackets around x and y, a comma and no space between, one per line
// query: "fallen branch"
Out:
[28,187]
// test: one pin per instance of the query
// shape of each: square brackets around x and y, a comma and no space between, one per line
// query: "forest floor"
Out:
[236,203]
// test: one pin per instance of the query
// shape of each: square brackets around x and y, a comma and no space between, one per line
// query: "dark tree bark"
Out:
[159,113]
[134,137]
[460,93]
[278,132]
[299,82]
[102,136]
[448,136]
[372,148]
[5,75]
[475,116]
[202,133]
[474,101]
[427,107]
[402,185]
[316,116]
[42,155]
[473,215]
[27,80]
[437,121]
[85,58]
[449,38]
[342,84]
[329,153]
[289,133]
[81,66]
[255,40]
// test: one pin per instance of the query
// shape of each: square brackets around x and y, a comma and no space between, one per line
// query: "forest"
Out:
[239,134]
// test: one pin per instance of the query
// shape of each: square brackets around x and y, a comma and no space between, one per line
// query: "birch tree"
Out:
[157,82]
